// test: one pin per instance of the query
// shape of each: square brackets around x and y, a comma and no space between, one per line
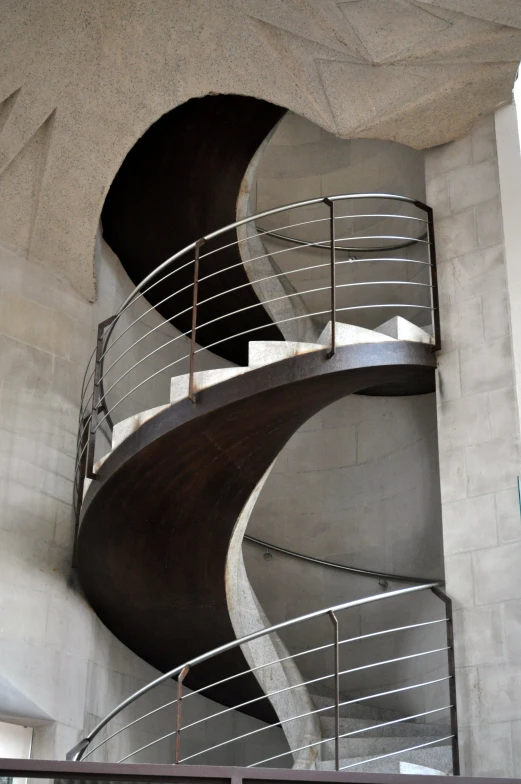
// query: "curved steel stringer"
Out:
[156,523]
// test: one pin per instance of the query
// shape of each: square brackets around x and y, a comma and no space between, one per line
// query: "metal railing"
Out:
[383,578]
[137,352]
[129,371]
[337,675]
[350,249]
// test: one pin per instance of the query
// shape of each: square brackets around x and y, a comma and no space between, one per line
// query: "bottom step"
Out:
[438,759]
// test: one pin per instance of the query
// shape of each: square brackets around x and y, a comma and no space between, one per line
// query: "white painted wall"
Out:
[15,741]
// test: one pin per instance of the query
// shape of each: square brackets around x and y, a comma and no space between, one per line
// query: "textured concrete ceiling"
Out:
[81,80]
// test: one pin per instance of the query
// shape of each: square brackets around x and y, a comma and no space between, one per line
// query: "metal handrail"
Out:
[356,732]
[78,751]
[274,211]
[394,306]
[351,569]
[100,406]
[350,249]
[97,399]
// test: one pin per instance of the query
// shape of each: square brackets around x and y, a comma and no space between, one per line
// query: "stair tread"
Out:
[372,747]
[405,728]
[357,710]
[438,758]
[202,380]
[350,334]
[402,329]
[265,352]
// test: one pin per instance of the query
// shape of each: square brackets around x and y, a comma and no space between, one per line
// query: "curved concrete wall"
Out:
[302,161]
[358,484]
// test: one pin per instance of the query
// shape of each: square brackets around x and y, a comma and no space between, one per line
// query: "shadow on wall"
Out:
[358,484]
[301,161]
[179,182]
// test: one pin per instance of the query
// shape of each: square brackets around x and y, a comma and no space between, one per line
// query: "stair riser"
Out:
[357,710]
[369,747]
[438,758]
[404,729]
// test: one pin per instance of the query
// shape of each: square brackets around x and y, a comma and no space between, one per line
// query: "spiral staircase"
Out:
[165,481]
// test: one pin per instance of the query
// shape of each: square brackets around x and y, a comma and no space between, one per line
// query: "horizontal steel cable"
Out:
[239,334]
[249,638]
[314,712]
[400,751]
[244,285]
[279,661]
[246,332]
[372,665]
[354,732]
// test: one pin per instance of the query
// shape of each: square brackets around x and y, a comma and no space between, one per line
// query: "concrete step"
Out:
[349,334]
[401,329]
[418,770]
[356,710]
[264,352]
[202,380]
[358,746]
[127,426]
[437,758]
[404,729]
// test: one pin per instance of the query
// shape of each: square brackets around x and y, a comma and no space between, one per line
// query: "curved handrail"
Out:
[138,290]
[77,752]
[352,569]
[264,214]
[98,397]
[327,245]
[274,211]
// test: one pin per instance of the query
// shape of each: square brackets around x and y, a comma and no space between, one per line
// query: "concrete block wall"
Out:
[479,449]
[63,665]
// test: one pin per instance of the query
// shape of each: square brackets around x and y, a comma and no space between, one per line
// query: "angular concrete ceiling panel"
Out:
[505,12]
[387,28]
[86,79]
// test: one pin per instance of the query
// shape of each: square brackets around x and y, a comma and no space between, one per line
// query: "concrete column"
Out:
[479,448]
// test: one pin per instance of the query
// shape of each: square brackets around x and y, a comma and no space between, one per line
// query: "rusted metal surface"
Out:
[157,523]
[336,669]
[191,392]
[332,251]
[211,774]
[452,683]
[180,680]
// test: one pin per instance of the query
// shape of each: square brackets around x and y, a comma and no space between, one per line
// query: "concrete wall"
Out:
[61,669]
[357,484]
[479,448]
[152,344]
[302,161]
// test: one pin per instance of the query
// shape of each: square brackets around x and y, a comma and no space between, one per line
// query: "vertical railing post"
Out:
[180,679]
[334,621]
[191,390]
[96,397]
[451,664]
[435,303]
[331,205]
